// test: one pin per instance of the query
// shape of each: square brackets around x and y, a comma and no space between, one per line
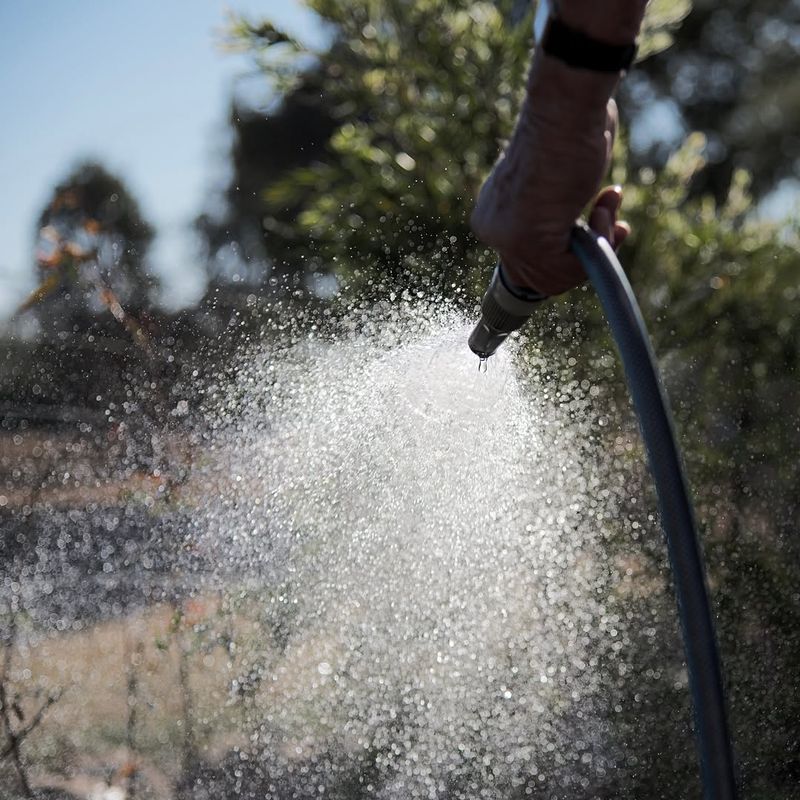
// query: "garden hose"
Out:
[677,516]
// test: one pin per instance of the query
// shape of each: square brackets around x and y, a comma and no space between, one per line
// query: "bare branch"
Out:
[18,736]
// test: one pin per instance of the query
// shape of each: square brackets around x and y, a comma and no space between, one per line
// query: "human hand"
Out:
[553,166]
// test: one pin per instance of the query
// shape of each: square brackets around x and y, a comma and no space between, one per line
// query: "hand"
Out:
[553,166]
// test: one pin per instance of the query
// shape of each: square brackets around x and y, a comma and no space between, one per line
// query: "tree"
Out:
[238,246]
[91,248]
[732,74]
[411,137]
[403,164]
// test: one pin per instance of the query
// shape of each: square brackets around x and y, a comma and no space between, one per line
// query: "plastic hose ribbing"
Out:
[677,515]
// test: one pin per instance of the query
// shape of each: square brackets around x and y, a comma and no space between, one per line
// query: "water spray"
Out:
[505,309]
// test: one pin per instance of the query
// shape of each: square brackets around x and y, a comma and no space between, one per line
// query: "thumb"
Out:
[603,216]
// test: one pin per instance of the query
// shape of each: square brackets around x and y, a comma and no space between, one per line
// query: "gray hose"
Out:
[677,516]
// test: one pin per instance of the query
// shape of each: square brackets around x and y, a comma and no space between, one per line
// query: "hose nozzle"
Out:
[504,309]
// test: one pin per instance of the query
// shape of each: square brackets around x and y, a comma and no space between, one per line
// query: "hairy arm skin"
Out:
[557,158]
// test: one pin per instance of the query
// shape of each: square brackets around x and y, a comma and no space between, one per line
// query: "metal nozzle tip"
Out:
[485,340]
[502,312]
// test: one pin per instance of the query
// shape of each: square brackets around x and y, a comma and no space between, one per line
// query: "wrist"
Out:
[575,100]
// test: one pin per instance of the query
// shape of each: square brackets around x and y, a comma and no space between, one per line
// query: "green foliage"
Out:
[721,289]
[423,93]
[413,140]
[661,20]
[732,73]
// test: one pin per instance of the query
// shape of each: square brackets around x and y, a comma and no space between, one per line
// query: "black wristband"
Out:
[577,49]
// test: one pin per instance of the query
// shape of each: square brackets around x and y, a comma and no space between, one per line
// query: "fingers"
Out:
[612,122]
[604,212]
[603,217]
[621,232]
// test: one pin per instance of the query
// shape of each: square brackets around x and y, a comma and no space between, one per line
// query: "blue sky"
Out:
[140,84]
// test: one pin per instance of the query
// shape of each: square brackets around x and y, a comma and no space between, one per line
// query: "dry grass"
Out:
[88,729]
[85,737]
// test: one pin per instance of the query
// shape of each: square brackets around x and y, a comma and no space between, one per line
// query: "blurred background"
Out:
[177,180]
